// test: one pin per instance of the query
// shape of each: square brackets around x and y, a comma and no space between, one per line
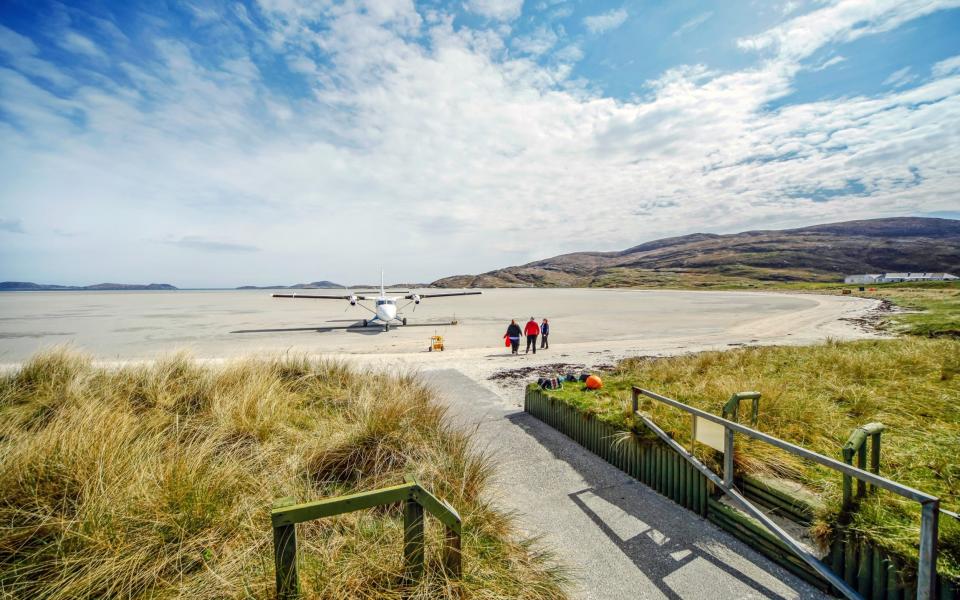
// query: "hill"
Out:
[818,253]
[26,286]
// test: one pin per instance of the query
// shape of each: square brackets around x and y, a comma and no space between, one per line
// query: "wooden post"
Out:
[847,480]
[285,557]
[727,456]
[862,464]
[451,553]
[413,540]
[875,456]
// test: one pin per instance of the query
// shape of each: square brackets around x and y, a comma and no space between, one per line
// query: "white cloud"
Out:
[196,242]
[14,44]
[605,21]
[79,44]
[947,66]
[841,21]
[11,225]
[833,60]
[401,148]
[571,53]
[693,23]
[899,78]
[537,42]
[503,10]
[789,6]
[22,54]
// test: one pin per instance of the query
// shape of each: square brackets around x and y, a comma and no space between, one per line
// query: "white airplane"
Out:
[385,309]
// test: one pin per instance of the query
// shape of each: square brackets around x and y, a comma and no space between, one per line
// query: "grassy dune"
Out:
[934,308]
[815,396]
[156,481]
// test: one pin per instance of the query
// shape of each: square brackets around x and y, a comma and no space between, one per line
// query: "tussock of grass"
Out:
[156,481]
[814,396]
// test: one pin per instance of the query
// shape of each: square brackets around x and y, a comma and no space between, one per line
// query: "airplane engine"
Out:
[416,298]
[353,300]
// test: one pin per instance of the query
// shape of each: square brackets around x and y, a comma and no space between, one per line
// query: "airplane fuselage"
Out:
[386,309]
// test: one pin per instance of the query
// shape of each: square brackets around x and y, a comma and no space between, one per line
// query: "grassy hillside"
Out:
[156,481]
[815,396]
[818,253]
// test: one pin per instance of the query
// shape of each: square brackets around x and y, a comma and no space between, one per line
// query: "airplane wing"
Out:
[410,297]
[318,297]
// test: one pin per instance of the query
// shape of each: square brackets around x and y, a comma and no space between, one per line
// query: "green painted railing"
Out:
[285,516]
[873,572]
[732,407]
[857,445]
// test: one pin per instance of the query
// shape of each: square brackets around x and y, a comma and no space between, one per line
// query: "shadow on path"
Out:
[620,538]
[681,553]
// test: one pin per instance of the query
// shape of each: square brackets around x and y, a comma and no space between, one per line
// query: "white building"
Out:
[897,277]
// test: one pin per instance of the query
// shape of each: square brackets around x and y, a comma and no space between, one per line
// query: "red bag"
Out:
[507,340]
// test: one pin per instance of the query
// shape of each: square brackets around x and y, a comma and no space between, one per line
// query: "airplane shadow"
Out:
[356,327]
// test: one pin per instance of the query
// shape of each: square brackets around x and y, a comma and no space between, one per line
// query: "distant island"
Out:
[314,285]
[27,286]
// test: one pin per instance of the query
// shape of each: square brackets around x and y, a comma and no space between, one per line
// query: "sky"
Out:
[214,144]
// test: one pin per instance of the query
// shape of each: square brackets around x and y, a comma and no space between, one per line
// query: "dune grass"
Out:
[156,481]
[815,396]
[933,308]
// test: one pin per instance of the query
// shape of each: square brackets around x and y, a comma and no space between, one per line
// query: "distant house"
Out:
[897,277]
[865,278]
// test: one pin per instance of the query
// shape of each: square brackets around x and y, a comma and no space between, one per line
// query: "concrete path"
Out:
[620,538]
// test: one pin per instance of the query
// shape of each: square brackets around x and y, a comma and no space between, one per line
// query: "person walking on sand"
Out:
[513,334]
[532,330]
[544,332]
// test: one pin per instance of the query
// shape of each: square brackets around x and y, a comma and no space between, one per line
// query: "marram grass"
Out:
[156,482]
[815,396]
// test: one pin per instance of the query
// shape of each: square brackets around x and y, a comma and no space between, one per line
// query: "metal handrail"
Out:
[285,515]
[930,505]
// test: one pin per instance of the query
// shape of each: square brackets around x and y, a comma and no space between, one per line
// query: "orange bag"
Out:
[507,340]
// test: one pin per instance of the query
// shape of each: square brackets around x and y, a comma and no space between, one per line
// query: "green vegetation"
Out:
[935,308]
[156,481]
[815,396]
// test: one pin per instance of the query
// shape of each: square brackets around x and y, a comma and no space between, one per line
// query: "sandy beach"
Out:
[589,326]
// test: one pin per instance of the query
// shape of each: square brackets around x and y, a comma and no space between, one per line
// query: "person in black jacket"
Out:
[513,334]
[544,332]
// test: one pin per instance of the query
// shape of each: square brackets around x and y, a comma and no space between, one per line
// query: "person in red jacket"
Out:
[532,330]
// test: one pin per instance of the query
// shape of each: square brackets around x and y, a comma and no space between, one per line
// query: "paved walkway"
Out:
[620,538]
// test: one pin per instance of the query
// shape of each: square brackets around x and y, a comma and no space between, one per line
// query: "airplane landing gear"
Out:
[364,322]
[386,326]
[404,320]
